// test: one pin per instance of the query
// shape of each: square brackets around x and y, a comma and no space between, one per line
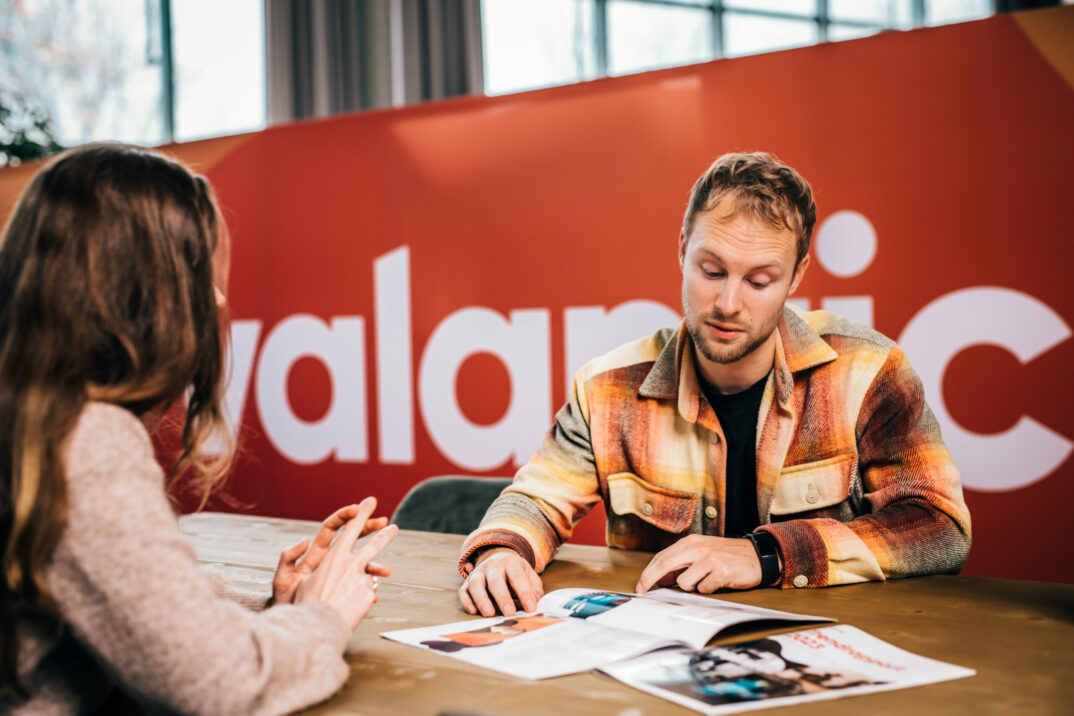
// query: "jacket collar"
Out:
[674,376]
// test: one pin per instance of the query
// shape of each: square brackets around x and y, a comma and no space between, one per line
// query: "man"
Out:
[755,445]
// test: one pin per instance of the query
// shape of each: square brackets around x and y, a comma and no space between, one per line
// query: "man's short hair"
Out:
[761,186]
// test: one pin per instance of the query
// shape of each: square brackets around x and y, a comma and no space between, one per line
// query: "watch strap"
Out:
[768,552]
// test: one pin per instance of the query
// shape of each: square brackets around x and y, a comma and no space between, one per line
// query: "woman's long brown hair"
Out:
[106,294]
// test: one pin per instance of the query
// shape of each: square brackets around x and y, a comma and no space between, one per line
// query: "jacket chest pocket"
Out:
[667,509]
[813,486]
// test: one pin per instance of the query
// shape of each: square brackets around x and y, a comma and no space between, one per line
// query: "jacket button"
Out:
[647,509]
[812,495]
[710,512]
[801,581]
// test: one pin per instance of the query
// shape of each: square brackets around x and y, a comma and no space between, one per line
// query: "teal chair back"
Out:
[448,504]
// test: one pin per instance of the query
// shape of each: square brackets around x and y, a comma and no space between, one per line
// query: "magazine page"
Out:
[827,663]
[531,646]
[688,618]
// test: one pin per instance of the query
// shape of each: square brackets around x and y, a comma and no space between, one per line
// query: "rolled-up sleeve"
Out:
[538,511]
[917,522]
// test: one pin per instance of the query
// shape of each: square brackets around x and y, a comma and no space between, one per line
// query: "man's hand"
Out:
[703,564]
[498,572]
[298,562]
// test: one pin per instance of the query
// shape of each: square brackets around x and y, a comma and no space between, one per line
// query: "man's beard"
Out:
[723,353]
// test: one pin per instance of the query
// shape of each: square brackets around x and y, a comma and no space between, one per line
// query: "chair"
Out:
[448,504]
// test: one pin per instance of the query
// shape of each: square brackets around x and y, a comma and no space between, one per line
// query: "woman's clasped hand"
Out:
[331,570]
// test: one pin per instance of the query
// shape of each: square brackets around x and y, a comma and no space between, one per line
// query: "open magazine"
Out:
[581,629]
[826,663]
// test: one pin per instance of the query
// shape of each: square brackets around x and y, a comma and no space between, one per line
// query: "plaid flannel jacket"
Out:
[853,478]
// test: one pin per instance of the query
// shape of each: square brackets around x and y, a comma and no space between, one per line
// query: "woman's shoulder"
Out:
[107,433]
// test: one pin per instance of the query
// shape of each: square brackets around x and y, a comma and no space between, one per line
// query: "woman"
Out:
[112,271]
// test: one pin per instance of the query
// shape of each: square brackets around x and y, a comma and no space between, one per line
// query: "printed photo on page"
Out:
[813,665]
[673,616]
[581,629]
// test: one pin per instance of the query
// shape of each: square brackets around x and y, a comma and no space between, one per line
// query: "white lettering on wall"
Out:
[395,397]
[846,243]
[845,246]
[522,345]
[341,348]
[1002,317]
[856,308]
[592,331]
[1010,320]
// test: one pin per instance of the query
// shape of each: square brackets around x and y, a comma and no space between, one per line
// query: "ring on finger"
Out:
[375,582]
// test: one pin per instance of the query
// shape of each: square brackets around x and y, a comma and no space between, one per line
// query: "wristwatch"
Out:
[768,552]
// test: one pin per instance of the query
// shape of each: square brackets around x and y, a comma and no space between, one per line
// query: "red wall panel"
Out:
[491,220]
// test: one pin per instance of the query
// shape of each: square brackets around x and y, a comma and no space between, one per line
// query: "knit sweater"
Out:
[138,614]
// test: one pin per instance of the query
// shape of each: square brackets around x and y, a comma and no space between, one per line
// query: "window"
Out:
[92,68]
[940,12]
[644,36]
[139,71]
[877,13]
[219,51]
[749,34]
[530,44]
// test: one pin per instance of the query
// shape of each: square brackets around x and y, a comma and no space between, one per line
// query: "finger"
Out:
[323,541]
[497,586]
[378,570]
[465,600]
[340,517]
[654,572]
[670,578]
[689,577]
[476,587]
[522,586]
[375,544]
[710,584]
[373,524]
[351,531]
[669,560]
[361,599]
[649,576]
[329,528]
[538,585]
[289,556]
[373,590]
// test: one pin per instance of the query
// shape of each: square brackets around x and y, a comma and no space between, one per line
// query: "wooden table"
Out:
[1019,636]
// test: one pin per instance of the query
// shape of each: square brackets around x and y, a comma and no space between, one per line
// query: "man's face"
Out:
[737,272]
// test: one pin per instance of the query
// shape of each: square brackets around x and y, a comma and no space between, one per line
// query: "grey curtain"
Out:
[330,56]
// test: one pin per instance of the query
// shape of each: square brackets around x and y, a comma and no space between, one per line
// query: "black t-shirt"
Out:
[737,414]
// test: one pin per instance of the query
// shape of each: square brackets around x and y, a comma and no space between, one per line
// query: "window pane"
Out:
[528,44]
[889,13]
[798,7]
[850,32]
[219,59]
[938,12]
[748,34]
[643,36]
[92,67]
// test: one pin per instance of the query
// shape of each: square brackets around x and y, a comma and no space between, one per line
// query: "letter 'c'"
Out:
[1008,319]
